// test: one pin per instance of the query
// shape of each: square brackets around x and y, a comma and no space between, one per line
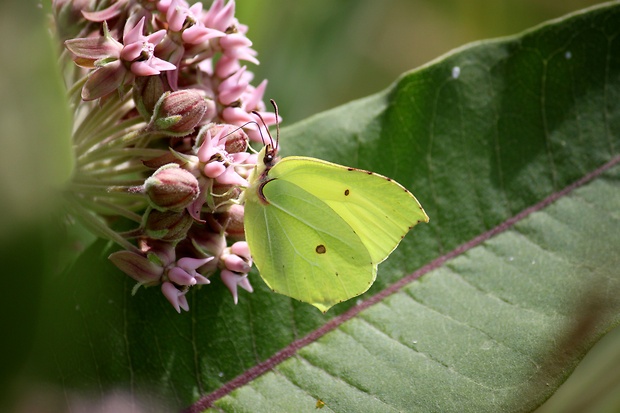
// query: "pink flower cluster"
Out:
[163,106]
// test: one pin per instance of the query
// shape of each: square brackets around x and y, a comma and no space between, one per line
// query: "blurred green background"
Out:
[317,54]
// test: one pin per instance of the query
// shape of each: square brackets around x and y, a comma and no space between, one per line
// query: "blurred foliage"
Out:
[34,161]
[318,54]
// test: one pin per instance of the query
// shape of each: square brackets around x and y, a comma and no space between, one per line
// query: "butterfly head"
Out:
[270,156]
[270,151]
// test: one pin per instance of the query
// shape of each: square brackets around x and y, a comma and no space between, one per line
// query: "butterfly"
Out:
[317,230]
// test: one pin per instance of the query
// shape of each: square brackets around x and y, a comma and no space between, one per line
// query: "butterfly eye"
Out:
[270,155]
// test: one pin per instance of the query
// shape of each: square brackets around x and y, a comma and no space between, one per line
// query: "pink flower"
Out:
[175,296]
[140,50]
[237,261]
[232,89]
[231,280]
[111,59]
[184,272]
[220,17]
[158,264]
[219,164]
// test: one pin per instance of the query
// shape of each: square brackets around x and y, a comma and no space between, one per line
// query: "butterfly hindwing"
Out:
[304,249]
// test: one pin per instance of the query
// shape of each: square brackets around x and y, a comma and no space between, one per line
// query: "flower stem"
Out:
[95,224]
[109,134]
[107,114]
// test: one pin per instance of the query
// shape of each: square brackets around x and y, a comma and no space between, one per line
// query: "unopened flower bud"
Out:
[232,221]
[171,188]
[178,113]
[236,141]
[146,93]
[168,225]
[137,267]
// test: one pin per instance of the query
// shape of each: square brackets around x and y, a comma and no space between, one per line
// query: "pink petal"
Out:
[135,33]
[190,264]
[163,5]
[234,40]
[236,116]
[241,248]
[256,97]
[214,169]
[94,48]
[226,65]
[105,14]
[232,88]
[231,177]
[132,51]
[199,34]
[180,276]
[175,297]
[242,53]
[223,19]
[240,157]
[156,37]
[245,284]
[201,279]
[161,64]
[175,16]
[143,69]
[236,264]
[230,280]
[206,150]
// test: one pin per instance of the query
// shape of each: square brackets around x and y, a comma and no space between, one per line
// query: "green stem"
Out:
[76,88]
[113,169]
[99,122]
[102,150]
[87,180]
[107,208]
[95,224]
[103,191]
[108,134]
[106,114]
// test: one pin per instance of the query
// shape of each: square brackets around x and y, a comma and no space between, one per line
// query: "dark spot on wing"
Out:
[320,249]
[346,192]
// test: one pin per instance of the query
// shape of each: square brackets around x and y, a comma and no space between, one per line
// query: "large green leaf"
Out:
[494,325]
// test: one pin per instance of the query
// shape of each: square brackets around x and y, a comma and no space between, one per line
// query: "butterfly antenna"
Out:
[275,107]
[266,128]
[241,127]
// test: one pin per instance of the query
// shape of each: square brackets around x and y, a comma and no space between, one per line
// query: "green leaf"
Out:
[495,323]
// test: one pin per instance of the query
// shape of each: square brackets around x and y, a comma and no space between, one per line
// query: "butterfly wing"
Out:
[304,249]
[379,210]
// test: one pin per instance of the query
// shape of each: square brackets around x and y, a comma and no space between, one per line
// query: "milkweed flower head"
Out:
[163,105]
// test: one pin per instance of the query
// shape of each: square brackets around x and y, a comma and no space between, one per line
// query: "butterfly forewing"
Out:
[304,249]
[379,210]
